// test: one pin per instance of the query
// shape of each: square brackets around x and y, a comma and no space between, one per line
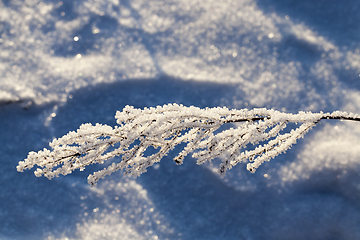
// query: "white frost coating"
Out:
[164,127]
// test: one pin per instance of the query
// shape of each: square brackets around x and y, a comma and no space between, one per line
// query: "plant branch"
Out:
[165,127]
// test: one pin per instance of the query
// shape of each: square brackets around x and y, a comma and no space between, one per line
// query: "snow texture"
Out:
[70,62]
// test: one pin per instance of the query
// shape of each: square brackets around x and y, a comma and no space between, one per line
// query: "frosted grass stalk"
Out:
[164,127]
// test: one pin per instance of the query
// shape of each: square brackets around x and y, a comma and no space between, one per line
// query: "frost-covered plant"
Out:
[164,127]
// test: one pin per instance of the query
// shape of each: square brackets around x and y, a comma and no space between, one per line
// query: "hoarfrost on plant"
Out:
[164,127]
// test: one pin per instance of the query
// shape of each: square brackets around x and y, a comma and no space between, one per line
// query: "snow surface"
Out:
[64,63]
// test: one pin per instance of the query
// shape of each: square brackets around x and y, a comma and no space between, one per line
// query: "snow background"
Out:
[64,63]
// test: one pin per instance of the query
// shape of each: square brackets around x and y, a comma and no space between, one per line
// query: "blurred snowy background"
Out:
[64,63]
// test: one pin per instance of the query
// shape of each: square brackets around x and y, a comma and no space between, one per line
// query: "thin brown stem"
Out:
[343,118]
[268,117]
